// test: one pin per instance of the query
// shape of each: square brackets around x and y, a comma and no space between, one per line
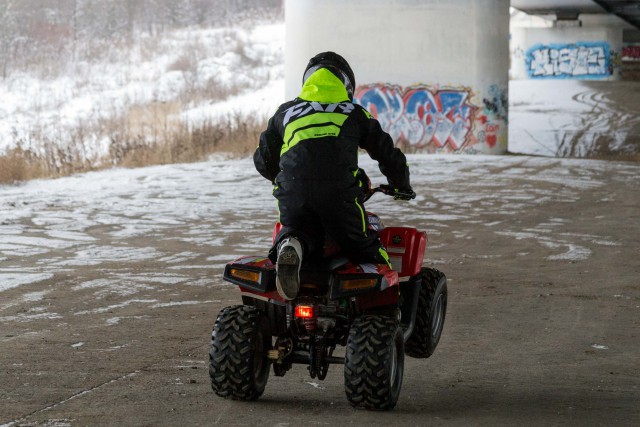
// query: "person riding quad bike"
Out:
[310,153]
[363,285]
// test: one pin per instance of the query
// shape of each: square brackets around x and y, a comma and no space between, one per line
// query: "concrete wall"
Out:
[572,52]
[434,73]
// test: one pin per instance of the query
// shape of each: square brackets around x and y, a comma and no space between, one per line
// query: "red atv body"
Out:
[379,314]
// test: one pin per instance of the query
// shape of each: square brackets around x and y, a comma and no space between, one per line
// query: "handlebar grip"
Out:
[411,194]
[398,194]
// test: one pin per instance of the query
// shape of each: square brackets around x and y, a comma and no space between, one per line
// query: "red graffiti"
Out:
[631,52]
[492,134]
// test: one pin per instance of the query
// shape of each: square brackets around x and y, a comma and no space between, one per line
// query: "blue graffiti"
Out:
[421,116]
[385,102]
[582,60]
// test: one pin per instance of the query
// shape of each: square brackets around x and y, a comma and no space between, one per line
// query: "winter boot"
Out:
[288,268]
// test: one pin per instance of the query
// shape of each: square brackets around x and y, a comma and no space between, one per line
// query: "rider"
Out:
[310,152]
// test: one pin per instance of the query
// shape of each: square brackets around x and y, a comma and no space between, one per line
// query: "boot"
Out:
[288,268]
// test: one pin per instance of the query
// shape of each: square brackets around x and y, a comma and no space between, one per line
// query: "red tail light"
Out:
[304,311]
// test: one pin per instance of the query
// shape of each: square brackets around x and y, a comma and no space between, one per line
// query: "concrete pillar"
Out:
[434,73]
[587,49]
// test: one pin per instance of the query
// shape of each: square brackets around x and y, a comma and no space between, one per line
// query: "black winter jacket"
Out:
[316,137]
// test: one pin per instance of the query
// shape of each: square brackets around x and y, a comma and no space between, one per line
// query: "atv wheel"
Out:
[374,362]
[238,363]
[432,308]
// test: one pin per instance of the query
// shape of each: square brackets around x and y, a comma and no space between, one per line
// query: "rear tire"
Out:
[238,363]
[374,363]
[432,308]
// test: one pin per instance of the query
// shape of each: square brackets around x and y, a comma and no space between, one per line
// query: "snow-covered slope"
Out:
[186,65]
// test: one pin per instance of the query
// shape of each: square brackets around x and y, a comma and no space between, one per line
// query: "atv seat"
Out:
[324,264]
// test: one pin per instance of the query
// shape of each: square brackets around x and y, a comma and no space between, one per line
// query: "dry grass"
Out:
[12,167]
[20,165]
[131,146]
[152,134]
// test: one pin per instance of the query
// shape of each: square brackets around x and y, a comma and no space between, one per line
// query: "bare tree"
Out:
[8,24]
[57,32]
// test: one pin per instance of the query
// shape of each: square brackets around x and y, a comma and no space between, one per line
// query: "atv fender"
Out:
[405,247]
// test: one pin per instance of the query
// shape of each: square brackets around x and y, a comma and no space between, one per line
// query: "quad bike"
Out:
[379,314]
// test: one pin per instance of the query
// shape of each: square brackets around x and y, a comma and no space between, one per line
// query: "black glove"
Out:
[403,194]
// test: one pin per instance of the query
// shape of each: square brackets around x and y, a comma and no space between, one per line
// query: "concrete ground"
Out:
[575,118]
[543,323]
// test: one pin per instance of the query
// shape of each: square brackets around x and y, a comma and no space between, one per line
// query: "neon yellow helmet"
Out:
[337,65]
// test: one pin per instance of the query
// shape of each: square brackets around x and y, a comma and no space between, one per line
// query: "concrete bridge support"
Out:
[434,73]
[588,48]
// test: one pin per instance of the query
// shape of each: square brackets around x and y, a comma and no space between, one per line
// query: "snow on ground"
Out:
[40,219]
[121,217]
[559,118]
[532,130]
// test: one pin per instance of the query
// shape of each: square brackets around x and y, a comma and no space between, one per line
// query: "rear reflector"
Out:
[251,276]
[355,284]
[304,311]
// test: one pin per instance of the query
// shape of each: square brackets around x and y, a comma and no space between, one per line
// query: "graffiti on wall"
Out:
[421,116]
[631,52]
[496,106]
[496,103]
[578,60]
[616,62]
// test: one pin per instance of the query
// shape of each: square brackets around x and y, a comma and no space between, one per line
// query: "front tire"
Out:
[238,363]
[432,308]
[374,362]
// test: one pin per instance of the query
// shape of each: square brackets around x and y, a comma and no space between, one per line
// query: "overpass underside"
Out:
[438,75]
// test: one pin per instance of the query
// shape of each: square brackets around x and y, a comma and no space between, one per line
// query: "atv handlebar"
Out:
[390,191]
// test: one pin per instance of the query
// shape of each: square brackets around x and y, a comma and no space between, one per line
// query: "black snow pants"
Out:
[310,210]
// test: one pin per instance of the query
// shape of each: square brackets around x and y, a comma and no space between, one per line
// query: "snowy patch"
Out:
[113,286]
[116,320]
[178,303]
[34,296]
[12,280]
[574,253]
[36,241]
[197,267]
[26,317]
[154,278]
[102,254]
[603,242]
[114,348]
[179,257]
[115,306]
[315,385]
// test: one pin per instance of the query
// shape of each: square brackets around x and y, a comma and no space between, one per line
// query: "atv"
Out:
[378,313]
